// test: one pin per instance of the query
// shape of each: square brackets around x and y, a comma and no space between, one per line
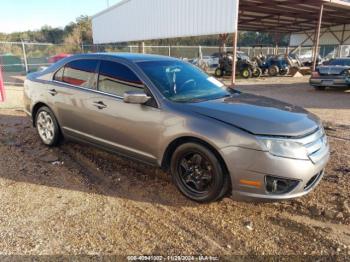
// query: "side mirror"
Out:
[135,97]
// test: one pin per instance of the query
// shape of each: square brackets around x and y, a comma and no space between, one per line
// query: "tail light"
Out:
[315,74]
[346,72]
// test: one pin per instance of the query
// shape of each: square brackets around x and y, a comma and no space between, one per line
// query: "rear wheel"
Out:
[284,71]
[197,173]
[273,70]
[47,127]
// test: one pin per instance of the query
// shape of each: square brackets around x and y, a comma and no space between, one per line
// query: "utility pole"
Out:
[317,37]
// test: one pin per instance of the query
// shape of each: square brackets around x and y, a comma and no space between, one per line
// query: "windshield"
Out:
[182,82]
[340,62]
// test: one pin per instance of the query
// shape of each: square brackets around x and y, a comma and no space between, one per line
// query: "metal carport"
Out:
[279,16]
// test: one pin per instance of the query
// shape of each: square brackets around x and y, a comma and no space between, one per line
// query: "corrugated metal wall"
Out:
[327,38]
[138,20]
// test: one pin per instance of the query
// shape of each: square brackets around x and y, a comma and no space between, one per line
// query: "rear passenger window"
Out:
[80,73]
[116,79]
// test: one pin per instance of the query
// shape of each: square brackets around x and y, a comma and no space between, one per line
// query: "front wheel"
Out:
[257,72]
[246,73]
[47,126]
[197,173]
[219,72]
[284,71]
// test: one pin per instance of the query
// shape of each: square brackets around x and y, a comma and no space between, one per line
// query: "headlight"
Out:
[284,148]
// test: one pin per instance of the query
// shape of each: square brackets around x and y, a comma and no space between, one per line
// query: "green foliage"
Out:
[76,33]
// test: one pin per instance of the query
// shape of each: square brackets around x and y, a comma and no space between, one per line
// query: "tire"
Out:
[246,73]
[219,72]
[320,88]
[273,70]
[284,71]
[198,174]
[47,127]
[257,72]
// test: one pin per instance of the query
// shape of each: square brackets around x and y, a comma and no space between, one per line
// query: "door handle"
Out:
[100,105]
[53,92]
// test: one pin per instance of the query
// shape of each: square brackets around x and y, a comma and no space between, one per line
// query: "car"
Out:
[306,58]
[210,61]
[58,57]
[336,73]
[212,139]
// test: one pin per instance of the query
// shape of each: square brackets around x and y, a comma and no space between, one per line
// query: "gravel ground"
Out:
[79,200]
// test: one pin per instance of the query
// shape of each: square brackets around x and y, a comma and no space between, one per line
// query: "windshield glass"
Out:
[182,82]
[340,62]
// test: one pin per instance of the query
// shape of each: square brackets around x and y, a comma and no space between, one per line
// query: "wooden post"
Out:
[316,53]
[142,47]
[234,58]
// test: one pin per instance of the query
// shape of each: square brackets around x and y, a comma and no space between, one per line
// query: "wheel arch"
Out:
[165,164]
[39,105]
[35,109]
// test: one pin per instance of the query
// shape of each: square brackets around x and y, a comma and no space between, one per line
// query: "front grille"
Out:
[313,181]
[315,144]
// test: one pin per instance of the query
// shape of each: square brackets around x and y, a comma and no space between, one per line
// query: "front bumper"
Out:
[330,81]
[252,165]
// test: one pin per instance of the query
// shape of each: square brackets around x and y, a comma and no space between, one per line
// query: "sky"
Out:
[22,15]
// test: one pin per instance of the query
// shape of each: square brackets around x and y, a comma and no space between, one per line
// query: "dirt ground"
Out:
[79,200]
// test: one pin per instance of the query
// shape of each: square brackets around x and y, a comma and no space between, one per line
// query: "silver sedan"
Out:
[165,112]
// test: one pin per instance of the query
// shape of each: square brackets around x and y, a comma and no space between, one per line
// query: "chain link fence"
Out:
[19,58]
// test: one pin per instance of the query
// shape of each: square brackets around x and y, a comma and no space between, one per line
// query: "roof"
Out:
[140,20]
[290,16]
[133,57]
[137,57]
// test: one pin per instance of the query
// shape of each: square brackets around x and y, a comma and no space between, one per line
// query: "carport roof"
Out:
[290,16]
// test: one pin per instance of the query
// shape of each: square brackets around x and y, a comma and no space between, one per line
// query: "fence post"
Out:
[82,48]
[200,54]
[25,57]
[169,50]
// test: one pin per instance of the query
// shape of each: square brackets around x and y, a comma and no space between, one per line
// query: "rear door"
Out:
[71,95]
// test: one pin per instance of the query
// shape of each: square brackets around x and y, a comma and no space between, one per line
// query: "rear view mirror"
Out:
[136,97]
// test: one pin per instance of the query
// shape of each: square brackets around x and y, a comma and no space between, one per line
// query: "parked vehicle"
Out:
[245,67]
[210,61]
[273,65]
[56,58]
[166,112]
[335,74]
[306,59]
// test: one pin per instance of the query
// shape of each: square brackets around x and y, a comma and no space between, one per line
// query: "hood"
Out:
[332,70]
[259,115]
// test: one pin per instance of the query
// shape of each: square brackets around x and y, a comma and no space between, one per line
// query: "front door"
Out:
[132,129]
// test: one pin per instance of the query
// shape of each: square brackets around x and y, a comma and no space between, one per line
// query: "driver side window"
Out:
[116,79]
